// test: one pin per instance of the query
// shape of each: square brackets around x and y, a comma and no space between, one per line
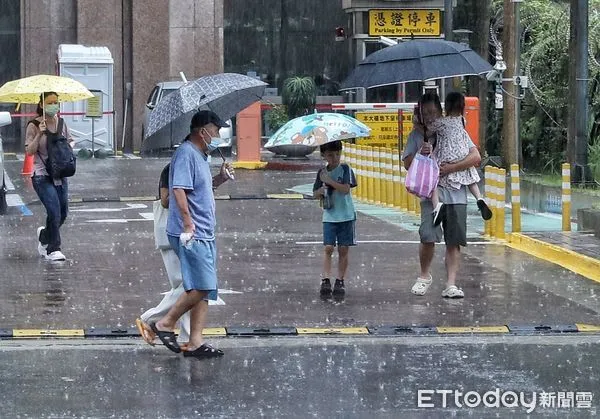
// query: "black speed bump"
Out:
[529,329]
[260,331]
[111,333]
[402,330]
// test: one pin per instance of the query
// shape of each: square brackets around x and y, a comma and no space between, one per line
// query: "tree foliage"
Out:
[299,96]
[545,58]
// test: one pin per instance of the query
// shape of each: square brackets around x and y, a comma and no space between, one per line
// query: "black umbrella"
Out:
[418,60]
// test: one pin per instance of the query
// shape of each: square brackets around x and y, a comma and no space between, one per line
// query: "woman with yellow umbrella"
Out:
[44,130]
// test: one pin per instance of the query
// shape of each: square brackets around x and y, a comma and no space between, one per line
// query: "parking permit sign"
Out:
[384,128]
[405,22]
[94,105]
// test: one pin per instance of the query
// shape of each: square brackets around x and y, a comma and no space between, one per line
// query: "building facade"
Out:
[150,41]
[154,40]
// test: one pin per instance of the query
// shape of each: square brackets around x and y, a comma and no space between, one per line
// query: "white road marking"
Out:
[14,200]
[131,156]
[116,220]
[128,207]
[8,182]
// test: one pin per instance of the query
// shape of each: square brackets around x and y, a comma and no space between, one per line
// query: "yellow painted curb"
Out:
[568,259]
[250,165]
[40,333]
[332,331]
[285,196]
[480,329]
[10,154]
[587,327]
[75,200]
[222,197]
[136,198]
[214,331]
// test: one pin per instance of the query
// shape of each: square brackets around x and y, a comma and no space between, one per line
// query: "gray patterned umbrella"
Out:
[225,94]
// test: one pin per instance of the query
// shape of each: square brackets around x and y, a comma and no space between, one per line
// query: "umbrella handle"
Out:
[229,175]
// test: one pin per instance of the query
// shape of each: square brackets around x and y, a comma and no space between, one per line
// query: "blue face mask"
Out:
[212,146]
[51,109]
[214,143]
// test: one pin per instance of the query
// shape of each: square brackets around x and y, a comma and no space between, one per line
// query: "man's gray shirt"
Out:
[448,196]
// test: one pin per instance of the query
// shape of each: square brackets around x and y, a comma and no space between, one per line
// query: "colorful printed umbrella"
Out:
[317,129]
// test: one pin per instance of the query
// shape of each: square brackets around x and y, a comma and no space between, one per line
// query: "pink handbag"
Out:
[422,177]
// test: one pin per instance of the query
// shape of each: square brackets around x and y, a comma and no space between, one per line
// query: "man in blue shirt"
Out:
[191,233]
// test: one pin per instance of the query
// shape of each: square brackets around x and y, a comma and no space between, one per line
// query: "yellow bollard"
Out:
[384,169]
[487,187]
[566,197]
[493,201]
[515,198]
[500,227]
[383,172]
[371,174]
[358,171]
[350,157]
[383,175]
[390,178]
[377,175]
[365,187]
[397,186]
[403,192]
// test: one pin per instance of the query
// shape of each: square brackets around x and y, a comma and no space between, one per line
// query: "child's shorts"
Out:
[340,233]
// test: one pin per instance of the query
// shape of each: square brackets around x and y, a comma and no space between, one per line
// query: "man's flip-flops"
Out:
[169,339]
[145,331]
[204,351]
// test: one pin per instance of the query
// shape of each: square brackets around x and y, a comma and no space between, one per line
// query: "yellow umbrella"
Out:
[28,90]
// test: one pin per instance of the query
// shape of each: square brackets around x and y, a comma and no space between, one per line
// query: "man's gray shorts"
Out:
[427,231]
[454,223]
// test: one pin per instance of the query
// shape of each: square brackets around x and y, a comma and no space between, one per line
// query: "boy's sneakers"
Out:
[338,288]
[486,212]
[55,256]
[40,247]
[438,214]
[325,286]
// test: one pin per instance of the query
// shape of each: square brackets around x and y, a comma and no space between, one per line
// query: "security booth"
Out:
[394,20]
[92,66]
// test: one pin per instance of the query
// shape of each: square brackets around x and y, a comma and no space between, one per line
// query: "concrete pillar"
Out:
[100,23]
[150,55]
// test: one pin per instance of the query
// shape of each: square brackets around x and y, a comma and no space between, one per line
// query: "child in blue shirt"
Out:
[332,187]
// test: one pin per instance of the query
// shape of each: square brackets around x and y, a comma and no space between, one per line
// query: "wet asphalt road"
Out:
[270,253]
[304,377]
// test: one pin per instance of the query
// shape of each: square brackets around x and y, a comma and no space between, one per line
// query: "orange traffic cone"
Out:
[27,165]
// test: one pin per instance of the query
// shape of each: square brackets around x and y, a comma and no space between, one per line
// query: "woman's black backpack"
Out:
[61,160]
